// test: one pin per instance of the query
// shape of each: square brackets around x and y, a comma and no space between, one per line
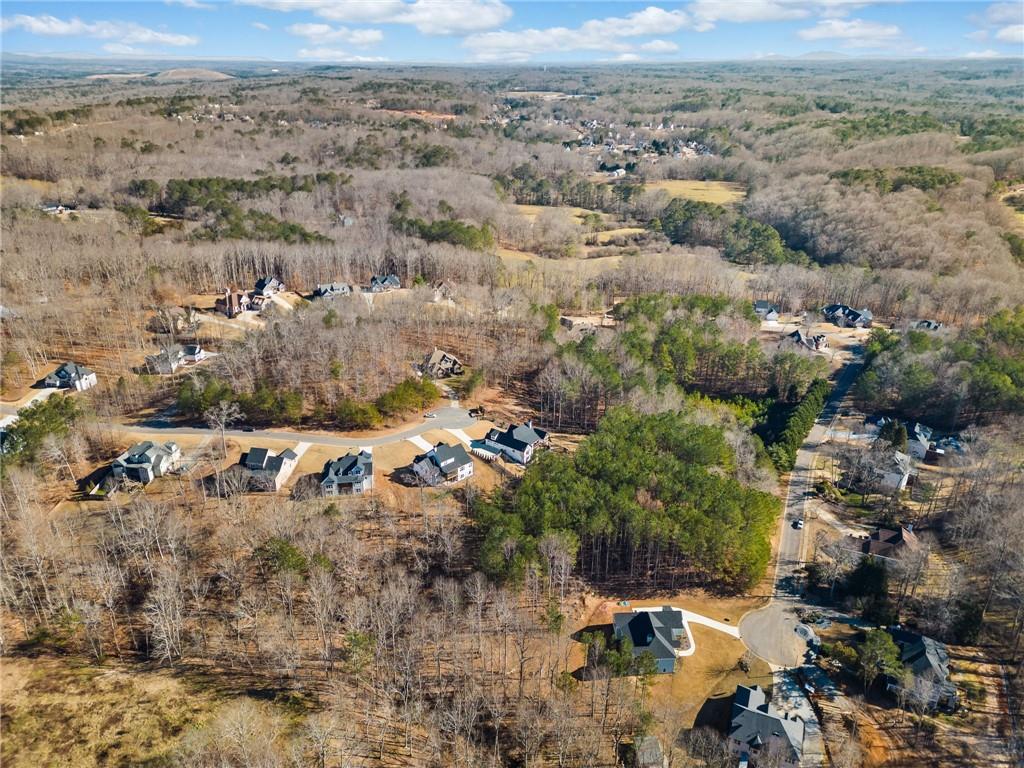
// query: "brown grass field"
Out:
[721,192]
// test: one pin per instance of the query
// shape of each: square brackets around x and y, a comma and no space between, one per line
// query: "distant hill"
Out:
[191,74]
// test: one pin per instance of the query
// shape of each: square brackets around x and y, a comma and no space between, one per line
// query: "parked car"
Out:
[798,524]
[248,428]
[431,415]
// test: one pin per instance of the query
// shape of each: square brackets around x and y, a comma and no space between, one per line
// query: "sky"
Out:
[505,31]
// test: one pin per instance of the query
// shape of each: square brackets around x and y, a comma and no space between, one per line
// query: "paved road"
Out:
[771,631]
[447,418]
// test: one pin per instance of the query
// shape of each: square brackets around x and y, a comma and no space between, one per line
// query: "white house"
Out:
[516,442]
[352,473]
[147,460]
[71,376]
[443,464]
[267,471]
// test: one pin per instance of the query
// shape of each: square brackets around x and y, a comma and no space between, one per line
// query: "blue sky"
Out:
[503,31]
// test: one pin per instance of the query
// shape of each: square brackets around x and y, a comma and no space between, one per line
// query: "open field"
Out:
[59,713]
[721,192]
[531,212]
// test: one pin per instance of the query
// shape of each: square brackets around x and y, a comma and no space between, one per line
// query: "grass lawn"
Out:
[721,192]
[610,234]
[61,713]
[533,211]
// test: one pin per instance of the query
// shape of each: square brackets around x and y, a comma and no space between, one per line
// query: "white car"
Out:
[799,524]
[430,416]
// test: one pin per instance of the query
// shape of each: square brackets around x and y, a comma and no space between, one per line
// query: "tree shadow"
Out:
[715,712]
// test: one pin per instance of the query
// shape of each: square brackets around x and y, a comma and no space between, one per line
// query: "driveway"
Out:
[770,632]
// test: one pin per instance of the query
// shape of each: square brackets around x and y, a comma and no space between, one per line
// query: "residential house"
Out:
[384,283]
[766,310]
[167,360]
[927,325]
[889,542]
[71,375]
[847,317]
[817,342]
[440,365]
[331,290]
[145,461]
[893,475]
[658,632]
[194,353]
[517,442]
[926,662]
[352,473]
[266,470]
[268,286]
[443,464]
[919,440]
[648,753]
[233,303]
[758,730]
[444,290]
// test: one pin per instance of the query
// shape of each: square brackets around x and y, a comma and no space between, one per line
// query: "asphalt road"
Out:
[448,417]
[771,631]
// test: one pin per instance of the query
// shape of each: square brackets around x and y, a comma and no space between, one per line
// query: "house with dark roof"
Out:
[71,375]
[267,471]
[233,303]
[440,364]
[889,542]
[517,442]
[384,283]
[194,353]
[765,310]
[331,290]
[758,730]
[167,360]
[268,286]
[816,342]
[927,681]
[443,464]
[848,317]
[352,473]
[145,461]
[927,325]
[657,632]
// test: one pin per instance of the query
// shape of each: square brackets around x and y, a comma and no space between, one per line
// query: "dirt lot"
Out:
[59,714]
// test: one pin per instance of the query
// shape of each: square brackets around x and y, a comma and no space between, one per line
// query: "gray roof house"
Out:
[167,360]
[647,753]
[757,728]
[848,317]
[657,632]
[927,663]
[517,442]
[443,464]
[440,364]
[330,290]
[267,471]
[766,310]
[146,460]
[894,475]
[268,286]
[71,375]
[384,283]
[352,473]
[816,342]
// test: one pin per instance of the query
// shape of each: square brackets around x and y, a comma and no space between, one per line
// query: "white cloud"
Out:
[333,54]
[707,13]
[595,35]
[626,57]
[191,4]
[431,17]
[986,54]
[261,26]
[1004,13]
[977,35]
[659,46]
[855,33]
[120,49]
[1011,34]
[126,32]
[320,34]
